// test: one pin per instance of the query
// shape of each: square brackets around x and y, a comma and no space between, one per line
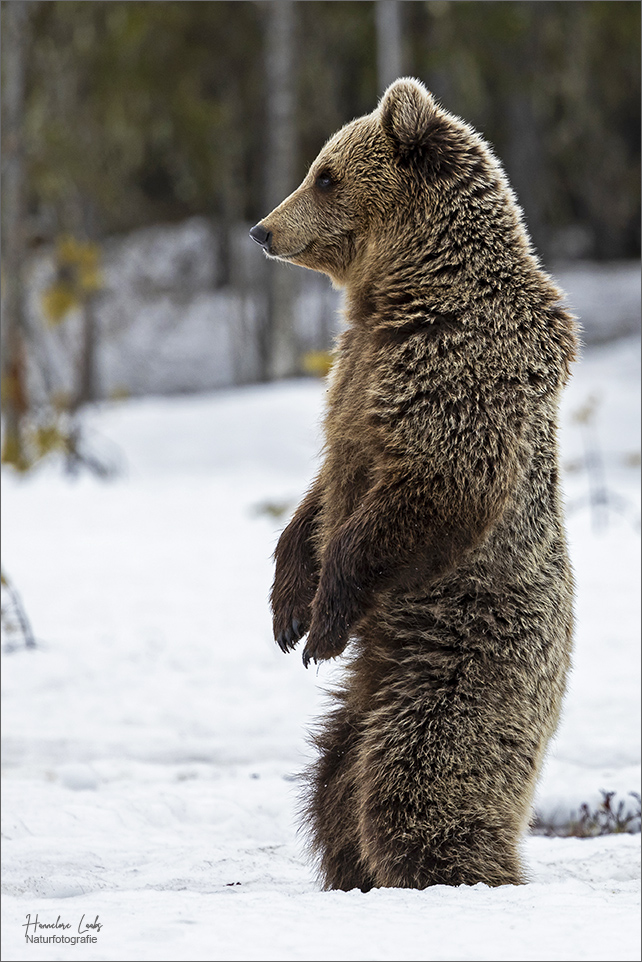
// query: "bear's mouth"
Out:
[289,255]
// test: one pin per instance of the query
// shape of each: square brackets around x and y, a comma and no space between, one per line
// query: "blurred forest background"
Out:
[141,140]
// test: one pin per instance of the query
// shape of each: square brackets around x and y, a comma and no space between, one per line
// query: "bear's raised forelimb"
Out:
[297,574]
[396,536]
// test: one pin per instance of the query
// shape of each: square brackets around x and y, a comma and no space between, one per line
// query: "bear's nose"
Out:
[261,236]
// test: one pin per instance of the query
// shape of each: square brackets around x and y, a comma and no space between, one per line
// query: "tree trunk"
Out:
[390,54]
[524,156]
[84,222]
[280,352]
[14,392]
[86,392]
[525,162]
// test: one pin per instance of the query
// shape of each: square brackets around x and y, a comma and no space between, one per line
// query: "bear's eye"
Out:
[324,180]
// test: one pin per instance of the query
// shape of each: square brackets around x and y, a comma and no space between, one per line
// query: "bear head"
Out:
[372,192]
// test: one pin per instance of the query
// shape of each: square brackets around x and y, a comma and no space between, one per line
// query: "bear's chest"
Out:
[349,423]
[352,445]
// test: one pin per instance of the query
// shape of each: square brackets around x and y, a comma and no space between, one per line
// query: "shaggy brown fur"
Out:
[433,536]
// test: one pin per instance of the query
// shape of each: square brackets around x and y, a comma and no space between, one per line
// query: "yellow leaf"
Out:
[57,300]
[49,438]
[78,269]
[317,362]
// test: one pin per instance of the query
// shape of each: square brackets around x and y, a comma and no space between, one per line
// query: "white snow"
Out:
[150,741]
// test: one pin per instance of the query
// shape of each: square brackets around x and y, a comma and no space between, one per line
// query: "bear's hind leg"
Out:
[434,806]
[330,805]
[421,855]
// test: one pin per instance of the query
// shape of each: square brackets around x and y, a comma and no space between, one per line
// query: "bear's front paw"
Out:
[325,641]
[289,627]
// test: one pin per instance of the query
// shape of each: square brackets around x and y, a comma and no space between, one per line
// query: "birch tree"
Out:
[15,23]
[390,53]
[280,354]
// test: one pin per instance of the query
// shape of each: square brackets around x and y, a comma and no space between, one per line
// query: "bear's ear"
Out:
[417,128]
[408,112]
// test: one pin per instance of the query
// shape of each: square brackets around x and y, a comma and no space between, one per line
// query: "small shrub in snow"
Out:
[607,819]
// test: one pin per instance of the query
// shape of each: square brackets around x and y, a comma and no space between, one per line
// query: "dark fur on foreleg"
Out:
[296,575]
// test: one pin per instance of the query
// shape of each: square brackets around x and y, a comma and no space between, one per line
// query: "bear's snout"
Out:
[262,237]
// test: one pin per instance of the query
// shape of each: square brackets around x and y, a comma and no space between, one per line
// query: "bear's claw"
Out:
[287,639]
[322,651]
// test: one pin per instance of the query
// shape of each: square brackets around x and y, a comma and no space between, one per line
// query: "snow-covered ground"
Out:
[151,739]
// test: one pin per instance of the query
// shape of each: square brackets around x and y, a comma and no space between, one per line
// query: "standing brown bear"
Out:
[432,539]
